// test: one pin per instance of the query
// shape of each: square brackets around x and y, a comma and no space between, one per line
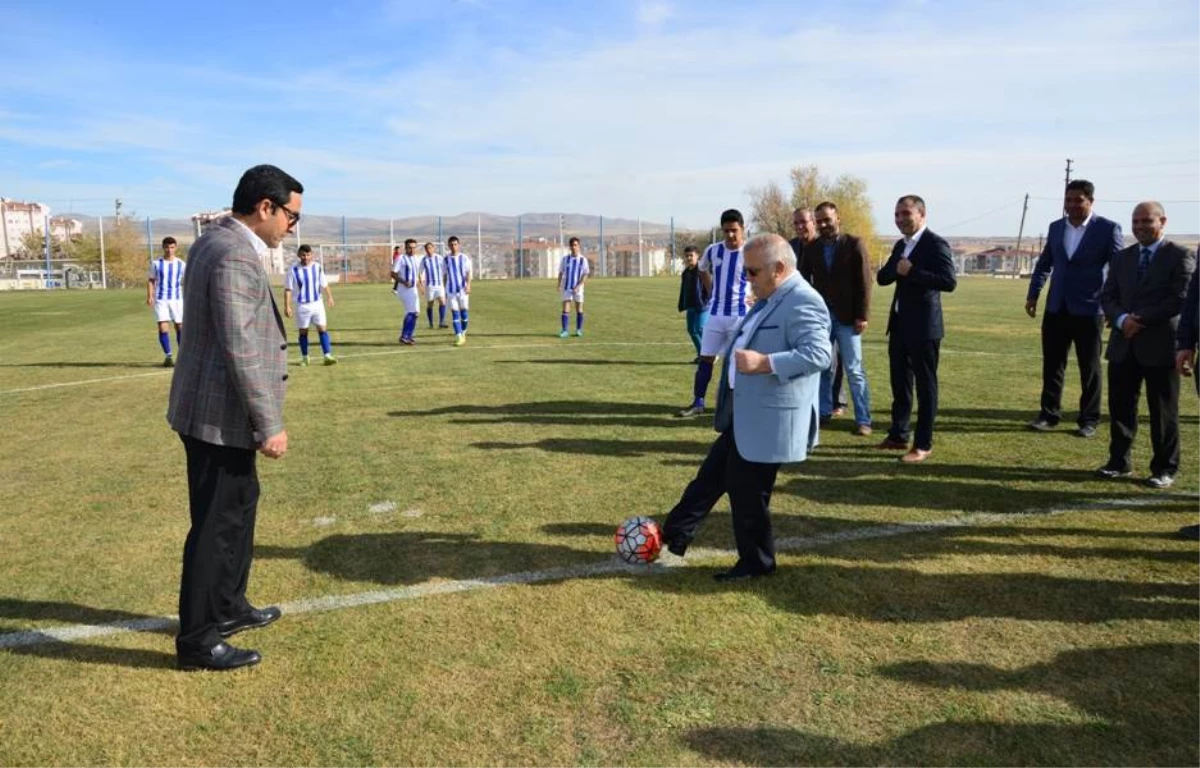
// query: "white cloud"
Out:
[651,13]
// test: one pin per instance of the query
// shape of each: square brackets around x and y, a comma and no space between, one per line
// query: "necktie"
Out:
[1143,264]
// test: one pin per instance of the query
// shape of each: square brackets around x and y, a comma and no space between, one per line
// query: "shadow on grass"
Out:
[1144,695]
[73,613]
[620,448]
[545,407]
[416,557]
[593,362]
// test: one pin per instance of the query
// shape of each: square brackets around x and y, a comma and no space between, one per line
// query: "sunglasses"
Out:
[293,217]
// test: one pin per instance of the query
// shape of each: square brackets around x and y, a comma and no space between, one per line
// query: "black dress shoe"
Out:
[740,573]
[219,658]
[257,617]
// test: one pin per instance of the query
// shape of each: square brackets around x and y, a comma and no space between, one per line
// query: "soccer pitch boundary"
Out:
[458,350]
[611,565]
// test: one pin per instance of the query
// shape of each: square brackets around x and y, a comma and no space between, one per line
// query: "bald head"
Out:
[1149,222]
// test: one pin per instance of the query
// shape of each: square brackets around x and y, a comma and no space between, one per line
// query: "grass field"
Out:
[1053,623]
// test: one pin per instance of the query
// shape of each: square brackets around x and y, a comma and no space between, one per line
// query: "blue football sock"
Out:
[164,339]
[579,321]
[700,386]
[326,347]
[304,345]
[455,321]
[463,312]
[429,314]
[441,314]
[565,321]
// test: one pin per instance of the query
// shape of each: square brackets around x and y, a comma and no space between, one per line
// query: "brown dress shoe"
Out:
[862,430]
[915,456]
[891,444]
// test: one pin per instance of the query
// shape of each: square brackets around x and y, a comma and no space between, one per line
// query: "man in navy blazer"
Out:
[1078,249]
[922,267]
[766,408]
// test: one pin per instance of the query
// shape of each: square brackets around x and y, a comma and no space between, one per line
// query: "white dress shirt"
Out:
[1073,234]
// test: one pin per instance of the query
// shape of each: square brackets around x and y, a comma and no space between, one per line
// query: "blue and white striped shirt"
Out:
[573,269]
[306,282]
[168,279]
[458,269]
[431,271]
[405,269]
[729,280]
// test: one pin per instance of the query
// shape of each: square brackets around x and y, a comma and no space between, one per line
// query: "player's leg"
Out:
[566,316]
[579,313]
[441,310]
[717,335]
[322,324]
[464,302]
[429,312]
[162,314]
[698,499]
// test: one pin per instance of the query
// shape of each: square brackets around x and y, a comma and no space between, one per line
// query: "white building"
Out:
[17,221]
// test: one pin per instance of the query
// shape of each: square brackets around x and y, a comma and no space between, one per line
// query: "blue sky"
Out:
[655,108]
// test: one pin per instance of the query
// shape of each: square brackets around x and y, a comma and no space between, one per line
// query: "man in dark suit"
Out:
[839,268]
[922,267]
[805,226]
[766,408]
[1186,337]
[1142,298]
[1078,248]
[226,403]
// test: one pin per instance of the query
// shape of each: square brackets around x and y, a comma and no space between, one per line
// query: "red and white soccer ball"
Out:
[638,540]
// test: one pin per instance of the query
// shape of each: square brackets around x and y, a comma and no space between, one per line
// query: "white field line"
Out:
[352,355]
[600,568]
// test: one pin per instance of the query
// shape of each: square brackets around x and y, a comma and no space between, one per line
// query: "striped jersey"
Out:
[431,271]
[573,269]
[168,279]
[458,270]
[306,283]
[729,280]
[405,269]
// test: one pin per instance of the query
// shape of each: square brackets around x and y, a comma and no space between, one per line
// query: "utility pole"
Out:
[1065,183]
[117,206]
[1020,232]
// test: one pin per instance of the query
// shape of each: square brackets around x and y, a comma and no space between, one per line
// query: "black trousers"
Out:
[913,361]
[749,485]
[223,499]
[1162,397]
[1059,331]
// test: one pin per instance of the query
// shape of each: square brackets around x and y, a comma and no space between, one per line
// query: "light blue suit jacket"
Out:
[774,415]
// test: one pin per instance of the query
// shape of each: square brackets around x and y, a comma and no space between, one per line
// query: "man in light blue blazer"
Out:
[766,408]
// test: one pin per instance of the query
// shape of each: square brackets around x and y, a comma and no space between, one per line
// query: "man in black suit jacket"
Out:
[1078,248]
[1142,298]
[1186,336]
[922,267]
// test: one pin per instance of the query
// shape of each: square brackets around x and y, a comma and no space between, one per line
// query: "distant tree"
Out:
[772,208]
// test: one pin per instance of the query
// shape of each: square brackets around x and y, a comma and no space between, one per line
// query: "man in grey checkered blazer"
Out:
[226,404]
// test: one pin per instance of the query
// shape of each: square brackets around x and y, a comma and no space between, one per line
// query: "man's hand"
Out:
[331,302]
[749,361]
[149,301]
[1132,326]
[274,446]
[1184,362]
[859,327]
[903,267]
[287,309]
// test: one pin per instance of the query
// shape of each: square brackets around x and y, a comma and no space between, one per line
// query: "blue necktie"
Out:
[1143,263]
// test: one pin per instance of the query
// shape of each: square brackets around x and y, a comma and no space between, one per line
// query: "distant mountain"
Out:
[328,229]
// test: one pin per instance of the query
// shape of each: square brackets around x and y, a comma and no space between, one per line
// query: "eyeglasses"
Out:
[293,217]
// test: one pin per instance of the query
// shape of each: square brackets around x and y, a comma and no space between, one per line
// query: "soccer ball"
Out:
[638,540]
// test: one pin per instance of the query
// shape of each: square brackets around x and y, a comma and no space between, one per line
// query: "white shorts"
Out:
[169,311]
[575,295]
[312,313]
[433,293]
[408,296]
[719,333]
[458,301]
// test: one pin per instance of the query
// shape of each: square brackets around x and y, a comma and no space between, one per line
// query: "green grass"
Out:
[1059,639]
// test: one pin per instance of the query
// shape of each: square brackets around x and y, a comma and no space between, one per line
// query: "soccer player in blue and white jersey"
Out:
[404,274]
[433,284]
[458,290]
[164,292]
[572,274]
[724,276]
[304,284]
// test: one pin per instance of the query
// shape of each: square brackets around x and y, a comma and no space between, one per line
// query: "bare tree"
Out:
[772,209]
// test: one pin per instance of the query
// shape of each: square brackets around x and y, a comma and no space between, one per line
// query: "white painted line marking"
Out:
[382,507]
[600,568]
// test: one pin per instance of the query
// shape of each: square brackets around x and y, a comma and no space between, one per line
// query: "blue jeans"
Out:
[850,350]
[696,318]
